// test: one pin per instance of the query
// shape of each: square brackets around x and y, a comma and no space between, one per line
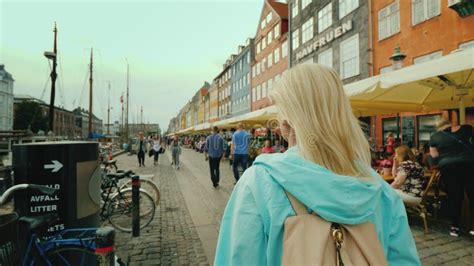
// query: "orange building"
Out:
[271,51]
[424,30]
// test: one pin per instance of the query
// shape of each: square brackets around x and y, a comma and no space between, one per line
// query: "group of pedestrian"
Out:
[153,146]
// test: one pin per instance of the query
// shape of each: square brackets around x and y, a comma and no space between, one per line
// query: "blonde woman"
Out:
[327,167]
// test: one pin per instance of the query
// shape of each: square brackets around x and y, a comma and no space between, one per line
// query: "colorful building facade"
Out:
[240,81]
[423,30]
[271,52]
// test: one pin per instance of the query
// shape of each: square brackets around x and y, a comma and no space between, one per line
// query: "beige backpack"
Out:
[310,240]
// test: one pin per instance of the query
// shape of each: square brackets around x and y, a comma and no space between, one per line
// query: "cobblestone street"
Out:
[186,223]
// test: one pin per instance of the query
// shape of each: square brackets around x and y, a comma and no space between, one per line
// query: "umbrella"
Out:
[443,83]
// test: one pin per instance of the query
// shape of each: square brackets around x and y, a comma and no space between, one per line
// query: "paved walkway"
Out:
[186,226]
[171,238]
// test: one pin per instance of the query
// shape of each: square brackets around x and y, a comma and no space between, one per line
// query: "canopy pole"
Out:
[462,111]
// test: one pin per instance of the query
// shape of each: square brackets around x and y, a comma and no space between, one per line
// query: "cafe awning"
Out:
[258,117]
[443,83]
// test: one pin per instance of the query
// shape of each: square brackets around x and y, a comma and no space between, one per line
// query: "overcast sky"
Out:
[172,48]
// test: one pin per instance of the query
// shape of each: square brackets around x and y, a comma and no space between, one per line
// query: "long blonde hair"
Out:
[310,97]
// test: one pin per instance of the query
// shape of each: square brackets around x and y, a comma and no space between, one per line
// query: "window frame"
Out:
[426,16]
[295,36]
[347,12]
[322,16]
[341,52]
[388,17]
[307,30]
[323,53]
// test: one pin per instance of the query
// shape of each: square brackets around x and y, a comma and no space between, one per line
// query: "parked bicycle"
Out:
[80,246]
[145,184]
[117,204]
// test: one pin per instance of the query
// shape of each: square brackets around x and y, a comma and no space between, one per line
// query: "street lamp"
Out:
[397,58]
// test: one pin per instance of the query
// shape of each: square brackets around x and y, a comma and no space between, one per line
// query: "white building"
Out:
[6,99]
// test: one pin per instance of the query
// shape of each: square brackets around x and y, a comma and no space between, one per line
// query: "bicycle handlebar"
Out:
[43,189]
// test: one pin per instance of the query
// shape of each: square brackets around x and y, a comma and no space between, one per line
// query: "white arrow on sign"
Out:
[56,166]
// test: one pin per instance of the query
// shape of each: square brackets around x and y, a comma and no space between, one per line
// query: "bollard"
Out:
[105,245]
[135,206]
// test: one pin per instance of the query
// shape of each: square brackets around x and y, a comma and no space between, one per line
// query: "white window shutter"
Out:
[433,7]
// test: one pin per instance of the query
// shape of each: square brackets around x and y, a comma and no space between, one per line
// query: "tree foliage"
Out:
[28,115]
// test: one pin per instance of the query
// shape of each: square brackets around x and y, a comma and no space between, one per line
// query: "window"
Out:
[258,48]
[248,78]
[325,58]
[277,54]
[264,90]
[325,17]
[346,7]
[270,85]
[308,60]
[294,9]
[284,49]
[258,68]
[307,30]
[386,69]
[426,127]
[467,45]
[270,59]
[305,3]
[264,43]
[424,9]
[350,57]
[269,37]
[259,95]
[389,21]
[254,96]
[248,57]
[269,17]
[253,72]
[428,57]
[263,24]
[296,39]
[276,31]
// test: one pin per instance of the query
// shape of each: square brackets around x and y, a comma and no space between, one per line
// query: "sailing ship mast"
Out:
[108,113]
[126,114]
[53,56]
[90,94]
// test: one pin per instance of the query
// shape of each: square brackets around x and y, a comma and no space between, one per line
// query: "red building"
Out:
[271,52]
[424,30]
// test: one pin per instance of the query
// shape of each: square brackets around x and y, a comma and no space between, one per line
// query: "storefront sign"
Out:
[325,39]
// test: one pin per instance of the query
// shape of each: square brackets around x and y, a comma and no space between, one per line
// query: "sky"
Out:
[171,47]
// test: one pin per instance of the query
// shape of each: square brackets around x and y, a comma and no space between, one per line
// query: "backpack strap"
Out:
[297,206]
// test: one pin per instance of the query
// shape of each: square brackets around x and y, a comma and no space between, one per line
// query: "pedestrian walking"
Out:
[141,149]
[175,152]
[156,149]
[327,171]
[240,150]
[213,151]
[452,148]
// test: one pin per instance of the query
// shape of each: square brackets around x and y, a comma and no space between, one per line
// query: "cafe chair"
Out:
[432,193]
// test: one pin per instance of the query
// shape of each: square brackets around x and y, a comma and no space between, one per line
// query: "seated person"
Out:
[408,176]
[278,147]
[267,148]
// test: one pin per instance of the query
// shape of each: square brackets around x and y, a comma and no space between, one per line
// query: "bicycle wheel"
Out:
[147,185]
[70,255]
[120,210]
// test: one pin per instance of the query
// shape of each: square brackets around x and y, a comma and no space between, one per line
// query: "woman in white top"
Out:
[156,149]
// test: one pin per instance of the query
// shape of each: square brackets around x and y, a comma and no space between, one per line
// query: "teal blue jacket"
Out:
[251,230]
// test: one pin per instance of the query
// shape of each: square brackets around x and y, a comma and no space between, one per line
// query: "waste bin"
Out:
[73,168]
